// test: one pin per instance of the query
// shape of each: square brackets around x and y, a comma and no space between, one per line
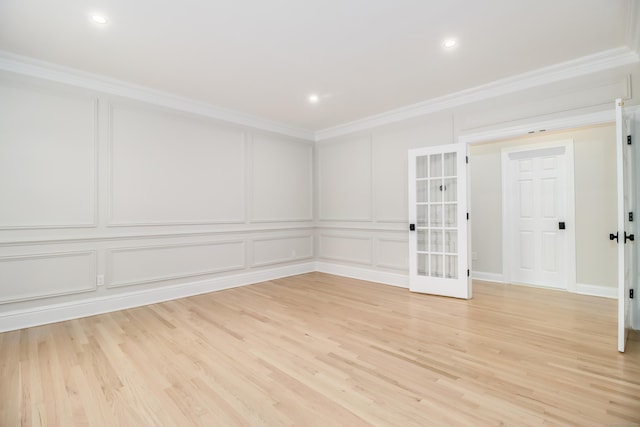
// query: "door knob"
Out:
[561,225]
[613,236]
[628,237]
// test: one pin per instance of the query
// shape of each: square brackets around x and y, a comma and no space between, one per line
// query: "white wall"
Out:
[105,197]
[162,203]
[359,245]
[595,201]
[362,197]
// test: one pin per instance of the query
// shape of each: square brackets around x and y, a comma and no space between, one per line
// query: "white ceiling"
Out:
[263,58]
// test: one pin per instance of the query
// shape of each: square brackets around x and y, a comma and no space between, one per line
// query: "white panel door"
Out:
[626,232]
[537,216]
[438,247]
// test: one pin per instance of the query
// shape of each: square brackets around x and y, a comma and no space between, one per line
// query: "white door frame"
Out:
[507,238]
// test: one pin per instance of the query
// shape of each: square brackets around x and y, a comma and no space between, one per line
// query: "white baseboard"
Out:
[597,290]
[393,279]
[19,319]
[487,277]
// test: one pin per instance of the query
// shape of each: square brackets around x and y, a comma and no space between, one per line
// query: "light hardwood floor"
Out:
[324,350]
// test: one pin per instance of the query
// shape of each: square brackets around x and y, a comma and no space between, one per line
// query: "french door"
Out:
[625,234]
[438,246]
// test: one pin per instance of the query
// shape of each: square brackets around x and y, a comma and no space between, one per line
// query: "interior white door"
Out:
[438,246]
[538,223]
[625,234]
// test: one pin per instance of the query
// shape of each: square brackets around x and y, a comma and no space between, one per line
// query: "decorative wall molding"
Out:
[268,150]
[113,252]
[393,279]
[601,61]
[372,227]
[94,186]
[291,255]
[600,93]
[346,161]
[392,220]
[380,241]
[88,282]
[323,252]
[111,173]
[65,75]
[24,318]
[139,236]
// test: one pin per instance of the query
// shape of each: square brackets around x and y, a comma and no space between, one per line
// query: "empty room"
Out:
[296,213]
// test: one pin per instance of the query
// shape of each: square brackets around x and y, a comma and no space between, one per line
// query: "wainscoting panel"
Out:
[278,250]
[390,169]
[168,169]
[138,265]
[392,253]
[345,248]
[26,277]
[344,180]
[48,157]
[282,179]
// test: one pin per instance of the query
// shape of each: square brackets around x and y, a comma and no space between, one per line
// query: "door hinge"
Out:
[631,293]
[630,216]
[468,273]
[467,159]
[628,140]
[467,216]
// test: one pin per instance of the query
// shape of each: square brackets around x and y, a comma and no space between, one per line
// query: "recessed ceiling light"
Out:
[449,43]
[99,19]
[314,98]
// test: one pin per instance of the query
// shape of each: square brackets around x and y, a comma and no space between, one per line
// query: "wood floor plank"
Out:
[317,349]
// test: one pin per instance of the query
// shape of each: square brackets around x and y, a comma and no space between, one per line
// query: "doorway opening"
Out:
[586,254]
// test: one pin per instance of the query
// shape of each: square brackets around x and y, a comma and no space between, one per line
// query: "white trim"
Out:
[393,279]
[320,255]
[57,73]
[601,61]
[282,260]
[94,177]
[487,277]
[571,122]
[377,243]
[597,290]
[110,271]
[18,319]
[91,282]
[138,236]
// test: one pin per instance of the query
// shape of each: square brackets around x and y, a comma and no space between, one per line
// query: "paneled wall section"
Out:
[104,196]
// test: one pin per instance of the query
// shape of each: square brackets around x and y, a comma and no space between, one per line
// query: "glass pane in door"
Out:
[436,214]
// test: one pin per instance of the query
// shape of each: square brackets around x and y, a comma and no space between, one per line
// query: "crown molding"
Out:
[601,61]
[48,71]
